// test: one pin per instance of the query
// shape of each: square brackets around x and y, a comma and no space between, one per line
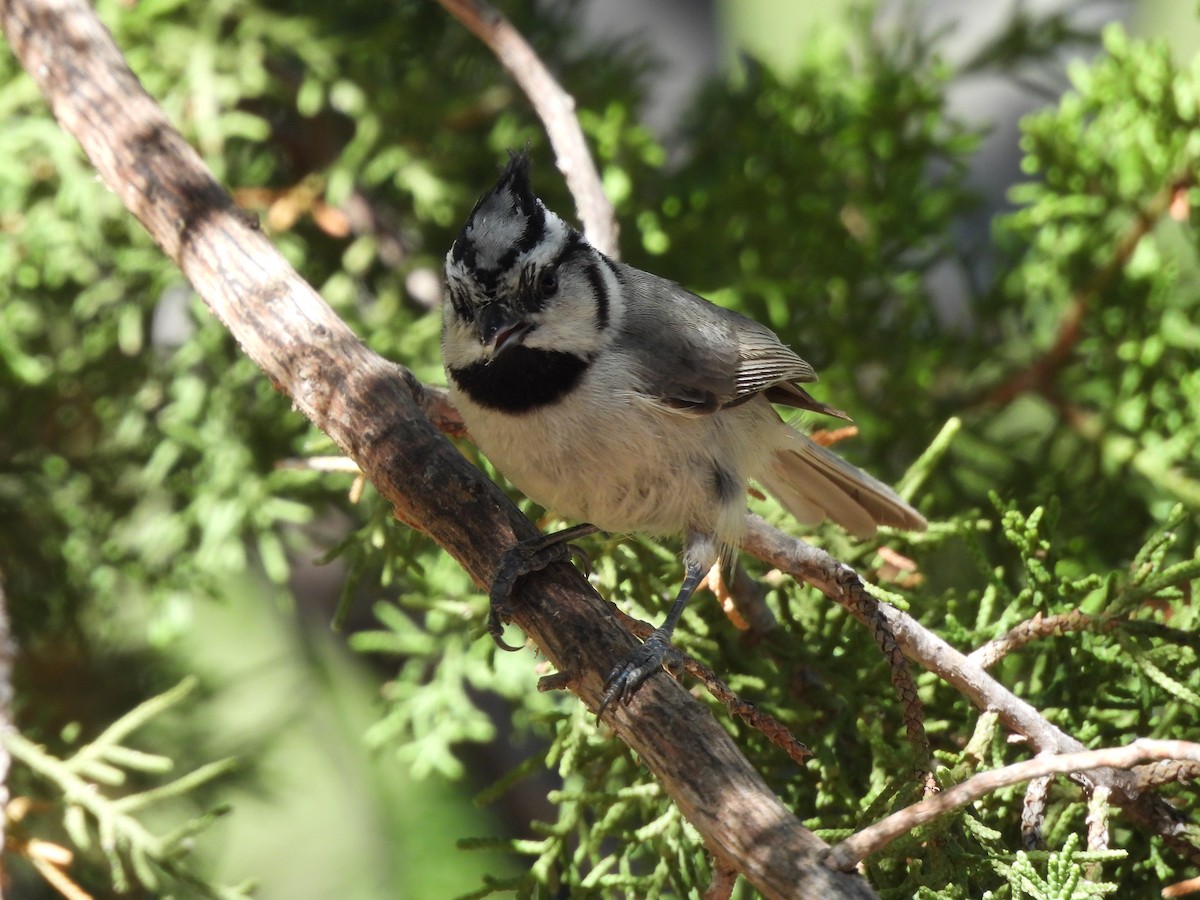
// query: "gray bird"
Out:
[620,399]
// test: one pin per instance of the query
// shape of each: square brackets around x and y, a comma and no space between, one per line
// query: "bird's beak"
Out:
[500,329]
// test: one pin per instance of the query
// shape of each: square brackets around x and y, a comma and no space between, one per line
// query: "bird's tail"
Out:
[813,484]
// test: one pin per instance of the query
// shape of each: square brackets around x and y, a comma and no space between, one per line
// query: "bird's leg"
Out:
[523,558]
[643,662]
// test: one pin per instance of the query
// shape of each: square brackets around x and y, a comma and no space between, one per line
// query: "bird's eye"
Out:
[547,283]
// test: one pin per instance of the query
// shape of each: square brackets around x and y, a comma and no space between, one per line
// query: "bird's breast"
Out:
[604,454]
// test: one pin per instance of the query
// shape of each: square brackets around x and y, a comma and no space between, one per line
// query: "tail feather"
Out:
[814,484]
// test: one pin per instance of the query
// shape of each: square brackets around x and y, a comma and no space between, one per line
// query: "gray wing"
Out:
[700,357]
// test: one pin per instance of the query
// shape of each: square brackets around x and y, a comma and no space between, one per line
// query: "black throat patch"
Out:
[521,380]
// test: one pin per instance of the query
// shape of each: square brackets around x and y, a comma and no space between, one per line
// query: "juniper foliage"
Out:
[138,471]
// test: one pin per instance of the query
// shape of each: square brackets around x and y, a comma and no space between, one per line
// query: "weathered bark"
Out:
[374,410]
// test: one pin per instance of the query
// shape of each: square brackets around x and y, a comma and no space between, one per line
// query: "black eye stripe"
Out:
[600,290]
[571,246]
[458,300]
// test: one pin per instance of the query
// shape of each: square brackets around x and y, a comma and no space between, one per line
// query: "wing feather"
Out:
[698,357]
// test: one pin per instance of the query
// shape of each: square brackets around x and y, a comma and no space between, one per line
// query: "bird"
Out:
[619,399]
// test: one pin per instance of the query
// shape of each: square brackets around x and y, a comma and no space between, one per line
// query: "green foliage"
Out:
[92,819]
[1095,236]
[139,469]
[607,839]
[1065,874]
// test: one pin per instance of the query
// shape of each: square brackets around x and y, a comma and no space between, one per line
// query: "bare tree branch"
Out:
[375,411]
[842,585]
[873,838]
[555,107]
[1040,626]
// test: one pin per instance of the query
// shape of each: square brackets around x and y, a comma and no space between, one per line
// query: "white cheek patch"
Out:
[460,346]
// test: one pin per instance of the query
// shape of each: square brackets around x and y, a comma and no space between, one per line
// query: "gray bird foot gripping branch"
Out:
[647,659]
[536,554]
[525,558]
[643,662]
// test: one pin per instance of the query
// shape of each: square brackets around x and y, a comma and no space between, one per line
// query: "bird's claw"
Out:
[580,556]
[523,559]
[633,671]
[497,615]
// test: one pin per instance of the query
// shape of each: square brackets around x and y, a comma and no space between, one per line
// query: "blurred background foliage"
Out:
[829,186]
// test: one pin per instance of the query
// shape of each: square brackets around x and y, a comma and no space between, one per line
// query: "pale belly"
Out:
[631,466]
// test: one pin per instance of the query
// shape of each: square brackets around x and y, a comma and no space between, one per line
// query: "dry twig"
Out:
[555,107]
[764,723]
[1033,812]
[842,585]
[1040,626]
[723,881]
[1183,888]
[873,838]
[813,565]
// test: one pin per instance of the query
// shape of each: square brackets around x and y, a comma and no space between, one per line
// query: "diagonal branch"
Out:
[555,107]
[1040,626]
[842,585]
[374,410]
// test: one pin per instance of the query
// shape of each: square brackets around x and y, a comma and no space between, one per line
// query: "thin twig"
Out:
[1040,375]
[1097,826]
[842,585]
[555,107]
[869,611]
[1182,888]
[1040,626]
[1033,812]
[801,560]
[723,881]
[1169,772]
[765,723]
[872,839]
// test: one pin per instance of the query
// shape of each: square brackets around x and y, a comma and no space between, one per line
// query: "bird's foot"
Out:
[633,671]
[524,558]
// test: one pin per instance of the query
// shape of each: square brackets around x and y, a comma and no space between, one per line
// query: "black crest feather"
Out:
[484,245]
